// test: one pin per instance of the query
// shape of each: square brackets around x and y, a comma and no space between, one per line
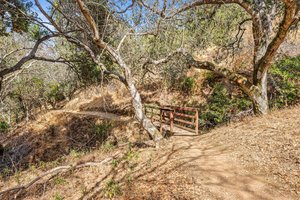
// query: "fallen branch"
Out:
[55,171]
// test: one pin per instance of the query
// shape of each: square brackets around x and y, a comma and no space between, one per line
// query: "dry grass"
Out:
[256,158]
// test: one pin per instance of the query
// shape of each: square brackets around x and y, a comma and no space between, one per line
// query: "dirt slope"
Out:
[257,158]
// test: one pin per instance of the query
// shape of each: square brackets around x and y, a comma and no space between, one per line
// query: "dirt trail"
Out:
[216,173]
[225,163]
[102,115]
[254,159]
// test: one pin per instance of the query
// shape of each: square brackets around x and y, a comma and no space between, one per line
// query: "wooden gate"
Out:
[183,117]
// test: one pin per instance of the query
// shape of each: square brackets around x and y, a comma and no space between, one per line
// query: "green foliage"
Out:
[30,92]
[217,107]
[4,126]
[188,85]
[59,181]
[112,189]
[6,172]
[221,106]
[102,130]
[55,94]
[75,154]
[285,80]
[36,31]
[114,163]
[130,155]
[86,70]
[207,26]
[12,18]
[108,146]
[58,196]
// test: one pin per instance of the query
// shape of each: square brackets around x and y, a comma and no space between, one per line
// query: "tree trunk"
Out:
[138,108]
[260,97]
[128,81]
[260,105]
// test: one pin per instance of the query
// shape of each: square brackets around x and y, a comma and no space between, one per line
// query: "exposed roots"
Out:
[52,173]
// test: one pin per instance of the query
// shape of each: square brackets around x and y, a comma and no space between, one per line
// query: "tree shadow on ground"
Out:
[176,174]
[52,142]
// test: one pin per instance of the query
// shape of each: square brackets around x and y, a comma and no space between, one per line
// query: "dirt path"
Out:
[213,162]
[254,159]
[216,173]
[102,115]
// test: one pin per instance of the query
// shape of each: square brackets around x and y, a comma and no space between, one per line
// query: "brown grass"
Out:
[256,158]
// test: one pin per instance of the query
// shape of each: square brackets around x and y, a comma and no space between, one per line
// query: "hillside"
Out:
[256,158]
[149,100]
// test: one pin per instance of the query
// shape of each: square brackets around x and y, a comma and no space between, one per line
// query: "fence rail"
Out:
[183,117]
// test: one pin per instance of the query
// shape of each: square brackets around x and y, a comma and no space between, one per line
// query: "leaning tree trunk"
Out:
[136,98]
[137,104]
[140,115]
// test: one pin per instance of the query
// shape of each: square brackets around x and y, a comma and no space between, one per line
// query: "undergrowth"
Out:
[112,189]
[224,104]
[4,126]
[188,85]
[285,81]
[101,130]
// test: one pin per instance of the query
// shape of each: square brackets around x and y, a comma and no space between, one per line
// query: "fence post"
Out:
[197,122]
[171,121]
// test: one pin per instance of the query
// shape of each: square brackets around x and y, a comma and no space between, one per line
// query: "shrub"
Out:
[284,82]
[102,130]
[216,108]
[112,189]
[58,196]
[188,85]
[55,94]
[221,106]
[3,127]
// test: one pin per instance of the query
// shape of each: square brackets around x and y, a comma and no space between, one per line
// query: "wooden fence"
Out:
[183,117]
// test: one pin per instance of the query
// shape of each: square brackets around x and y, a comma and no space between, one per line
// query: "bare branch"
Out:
[121,11]
[28,57]
[12,52]
[121,42]
[165,59]
[56,171]
[290,18]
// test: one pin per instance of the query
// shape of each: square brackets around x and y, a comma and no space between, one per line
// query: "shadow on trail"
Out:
[154,178]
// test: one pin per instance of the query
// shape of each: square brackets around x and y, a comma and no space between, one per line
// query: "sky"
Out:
[45,5]
[35,9]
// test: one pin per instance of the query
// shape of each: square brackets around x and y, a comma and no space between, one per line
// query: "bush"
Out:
[216,109]
[3,127]
[102,130]
[112,189]
[284,82]
[188,85]
[55,94]
[221,106]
